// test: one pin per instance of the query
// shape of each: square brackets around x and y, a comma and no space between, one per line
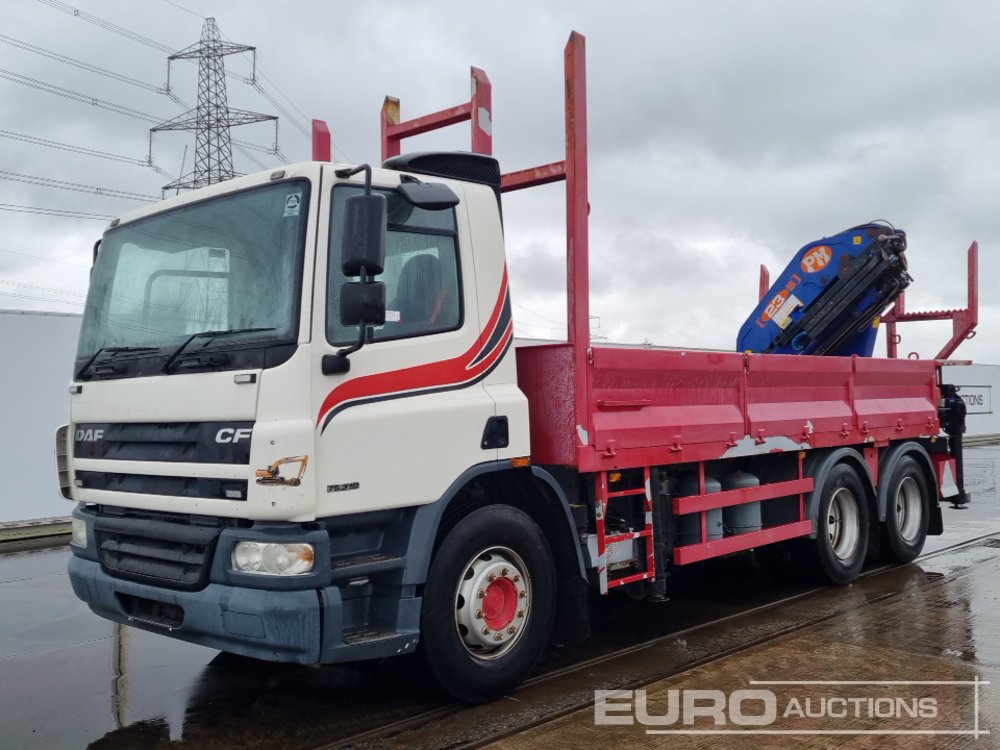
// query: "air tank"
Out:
[743,518]
[689,525]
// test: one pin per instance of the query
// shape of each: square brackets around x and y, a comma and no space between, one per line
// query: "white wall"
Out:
[38,350]
[978,385]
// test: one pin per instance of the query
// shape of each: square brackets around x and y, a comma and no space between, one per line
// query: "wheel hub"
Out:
[908,509]
[492,602]
[842,523]
[500,603]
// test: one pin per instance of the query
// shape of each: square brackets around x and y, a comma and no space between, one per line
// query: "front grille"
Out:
[186,442]
[145,484]
[163,553]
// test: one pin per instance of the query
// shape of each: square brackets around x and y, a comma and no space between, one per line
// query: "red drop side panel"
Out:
[656,407]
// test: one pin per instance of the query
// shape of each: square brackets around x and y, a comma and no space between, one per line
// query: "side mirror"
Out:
[362,254]
[362,247]
[362,304]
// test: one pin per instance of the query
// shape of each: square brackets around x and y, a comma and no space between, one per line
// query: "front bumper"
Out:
[302,619]
[271,625]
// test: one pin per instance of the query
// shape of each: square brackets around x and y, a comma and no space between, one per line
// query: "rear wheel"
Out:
[907,511]
[842,534]
[488,604]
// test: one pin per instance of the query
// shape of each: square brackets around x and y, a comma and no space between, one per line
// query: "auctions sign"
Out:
[884,707]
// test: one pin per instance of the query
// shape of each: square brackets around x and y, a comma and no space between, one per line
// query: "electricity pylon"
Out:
[213,117]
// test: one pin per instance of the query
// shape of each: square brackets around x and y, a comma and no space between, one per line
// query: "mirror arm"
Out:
[351,171]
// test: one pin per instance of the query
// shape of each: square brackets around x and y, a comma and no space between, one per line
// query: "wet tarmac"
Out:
[71,680]
[941,637]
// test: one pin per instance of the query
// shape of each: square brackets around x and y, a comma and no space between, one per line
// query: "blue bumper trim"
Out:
[271,625]
[305,627]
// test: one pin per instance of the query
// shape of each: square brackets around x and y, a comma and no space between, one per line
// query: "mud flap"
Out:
[935,524]
[572,623]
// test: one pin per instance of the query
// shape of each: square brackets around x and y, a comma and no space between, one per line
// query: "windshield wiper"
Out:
[206,334]
[110,349]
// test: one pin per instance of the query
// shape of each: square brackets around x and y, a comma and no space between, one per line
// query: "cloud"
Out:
[722,135]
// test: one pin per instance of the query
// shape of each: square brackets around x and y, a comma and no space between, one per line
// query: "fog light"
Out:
[265,558]
[78,530]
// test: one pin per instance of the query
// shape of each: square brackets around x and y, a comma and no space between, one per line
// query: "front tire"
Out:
[907,512]
[841,542]
[488,604]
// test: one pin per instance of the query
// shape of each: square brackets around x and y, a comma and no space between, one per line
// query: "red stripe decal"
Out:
[433,374]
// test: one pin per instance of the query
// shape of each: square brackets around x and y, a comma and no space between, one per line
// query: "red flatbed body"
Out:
[601,409]
[644,407]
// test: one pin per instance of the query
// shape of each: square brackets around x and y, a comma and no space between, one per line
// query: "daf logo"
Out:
[89,436]
[232,435]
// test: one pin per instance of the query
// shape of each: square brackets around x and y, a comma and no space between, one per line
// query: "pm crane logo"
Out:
[816,259]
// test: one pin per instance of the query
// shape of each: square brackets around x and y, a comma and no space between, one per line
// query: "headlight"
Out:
[270,559]
[78,529]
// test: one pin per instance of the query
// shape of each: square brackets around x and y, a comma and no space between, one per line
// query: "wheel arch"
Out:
[887,464]
[819,467]
[532,490]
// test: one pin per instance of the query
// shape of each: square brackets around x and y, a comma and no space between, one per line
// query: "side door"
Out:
[408,417]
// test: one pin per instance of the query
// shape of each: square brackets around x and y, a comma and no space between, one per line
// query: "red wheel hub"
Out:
[500,603]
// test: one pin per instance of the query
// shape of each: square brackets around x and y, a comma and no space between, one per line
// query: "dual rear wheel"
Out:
[907,512]
[844,523]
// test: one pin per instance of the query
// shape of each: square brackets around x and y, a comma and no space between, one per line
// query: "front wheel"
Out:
[907,512]
[488,604]
[841,542]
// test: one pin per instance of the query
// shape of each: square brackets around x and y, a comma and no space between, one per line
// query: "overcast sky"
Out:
[722,135]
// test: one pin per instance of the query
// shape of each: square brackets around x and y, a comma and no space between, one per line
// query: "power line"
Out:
[538,315]
[107,25]
[254,147]
[43,299]
[87,151]
[111,106]
[304,115]
[35,287]
[76,95]
[45,211]
[42,257]
[69,147]
[80,64]
[76,186]
[186,10]
[277,105]
[298,124]
[248,155]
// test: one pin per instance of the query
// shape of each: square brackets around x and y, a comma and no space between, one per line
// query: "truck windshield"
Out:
[229,262]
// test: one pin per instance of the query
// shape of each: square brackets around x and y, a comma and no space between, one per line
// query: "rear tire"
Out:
[488,604]
[842,529]
[907,512]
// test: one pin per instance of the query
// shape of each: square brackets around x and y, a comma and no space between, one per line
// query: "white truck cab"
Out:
[218,308]
[248,476]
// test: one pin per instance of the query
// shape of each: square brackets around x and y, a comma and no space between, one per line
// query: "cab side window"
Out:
[421,272]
